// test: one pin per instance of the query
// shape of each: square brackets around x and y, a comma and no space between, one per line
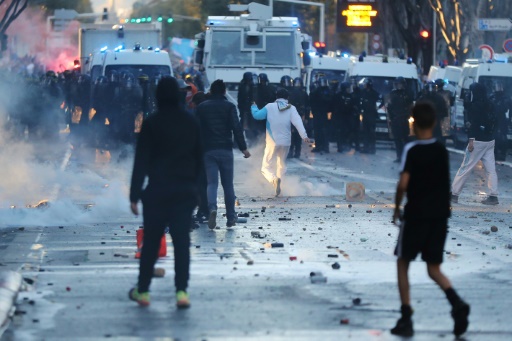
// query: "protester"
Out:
[425,177]
[169,154]
[481,122]
[280,117]
[219,122]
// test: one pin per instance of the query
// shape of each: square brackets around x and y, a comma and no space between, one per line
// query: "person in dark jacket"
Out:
[369,99]
[399,108]
[169,154]
[480,146]
[219,122]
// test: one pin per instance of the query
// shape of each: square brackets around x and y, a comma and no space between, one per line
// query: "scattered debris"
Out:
[336,266]
[293,257]
[494,229]
[364,239]
[285,219]
[344,321]
[317,277]
[159,272]
[356,301]
[277,245]
[332,255]
[243,215]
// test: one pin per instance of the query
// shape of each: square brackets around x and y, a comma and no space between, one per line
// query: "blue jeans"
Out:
[215,161]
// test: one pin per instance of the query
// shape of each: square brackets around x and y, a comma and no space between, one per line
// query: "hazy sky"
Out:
[123,7]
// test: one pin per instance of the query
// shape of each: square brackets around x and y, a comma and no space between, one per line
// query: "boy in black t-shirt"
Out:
[425,176]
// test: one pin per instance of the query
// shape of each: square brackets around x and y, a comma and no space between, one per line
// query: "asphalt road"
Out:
[79,253]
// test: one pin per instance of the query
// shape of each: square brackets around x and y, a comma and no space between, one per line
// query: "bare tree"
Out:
[9,11]
[410,16]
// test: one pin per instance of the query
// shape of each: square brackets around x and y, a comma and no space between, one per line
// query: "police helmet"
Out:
[298,83]
[50,74]
[286,81]
[346,87]
[84,79]
[113,76]
[263,79]
[497,86]
[367,83]
[478,92]
[247,78]
[101,80]
[439,84]
[323,82]
[399,83]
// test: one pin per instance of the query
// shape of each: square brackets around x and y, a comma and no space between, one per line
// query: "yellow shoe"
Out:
[182,300]
[142,298]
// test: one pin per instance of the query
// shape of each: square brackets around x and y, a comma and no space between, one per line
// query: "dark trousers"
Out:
[354,131]
[369,138]
[203,198]
[296,145]
[320,124]
[220,161]
[400,136]
[158,214]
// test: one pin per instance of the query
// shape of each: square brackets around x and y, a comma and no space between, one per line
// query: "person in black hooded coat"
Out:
[169,154]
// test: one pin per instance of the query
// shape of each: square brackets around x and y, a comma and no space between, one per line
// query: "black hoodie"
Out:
[168,148]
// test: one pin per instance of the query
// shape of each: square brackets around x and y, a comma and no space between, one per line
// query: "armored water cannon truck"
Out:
[255,42]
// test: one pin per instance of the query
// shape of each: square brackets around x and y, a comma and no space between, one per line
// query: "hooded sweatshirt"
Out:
[168,150]
[280,116]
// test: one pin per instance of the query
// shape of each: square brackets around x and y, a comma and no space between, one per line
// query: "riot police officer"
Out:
[399,107]
[345,107]
[321,103]
[266,93]
[246,96]
[432,95]
[300,99]
[501,103]
[130,101]
[369,99]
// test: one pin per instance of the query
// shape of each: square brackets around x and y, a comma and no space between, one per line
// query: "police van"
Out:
[383,70]
[334,68]
[487,73]
[136,61]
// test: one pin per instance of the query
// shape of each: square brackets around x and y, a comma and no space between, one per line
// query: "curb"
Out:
[10,285]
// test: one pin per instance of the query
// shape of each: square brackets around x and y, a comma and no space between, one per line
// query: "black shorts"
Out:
[425,236]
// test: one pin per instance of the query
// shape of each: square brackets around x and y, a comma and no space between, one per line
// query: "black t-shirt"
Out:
[428,191]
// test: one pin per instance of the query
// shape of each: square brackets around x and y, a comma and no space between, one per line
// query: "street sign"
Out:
[487,52]
[357,16]
[494,24]
[507,45]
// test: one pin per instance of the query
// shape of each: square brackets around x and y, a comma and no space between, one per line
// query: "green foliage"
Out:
[81,6]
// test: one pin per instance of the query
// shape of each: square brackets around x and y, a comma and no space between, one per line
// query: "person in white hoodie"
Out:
[280,116]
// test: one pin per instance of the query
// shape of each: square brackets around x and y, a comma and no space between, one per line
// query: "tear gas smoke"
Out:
[248,175]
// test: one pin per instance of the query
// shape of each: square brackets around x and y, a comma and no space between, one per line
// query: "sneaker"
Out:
[142,298]
[231,223]
[277,186]
[460,314]
[403,327]
[182,300]
[212,220]
[454,198]
[491,200]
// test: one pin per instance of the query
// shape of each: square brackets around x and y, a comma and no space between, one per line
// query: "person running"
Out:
[169,154]
[425,177]
[280,117]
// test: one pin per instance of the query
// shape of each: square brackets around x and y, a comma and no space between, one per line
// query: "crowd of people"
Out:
[176,149]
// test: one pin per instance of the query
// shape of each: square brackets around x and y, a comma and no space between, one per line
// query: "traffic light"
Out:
[320,47]
[104,16]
